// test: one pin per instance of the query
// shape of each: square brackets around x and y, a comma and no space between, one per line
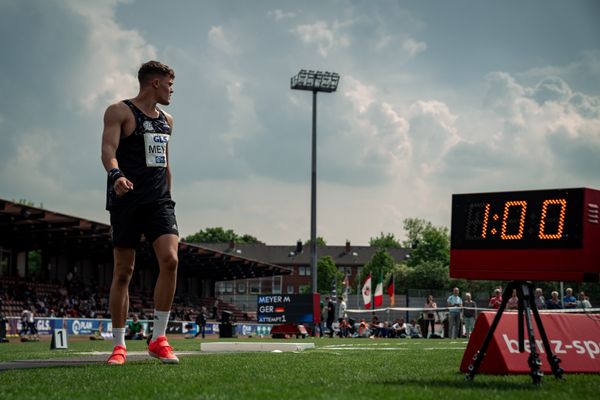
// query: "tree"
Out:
[387,241]
[220,235]
[381,264]
[414,228]
[320,242]
[327,272]
[432,245]
[429,275]
[248,239]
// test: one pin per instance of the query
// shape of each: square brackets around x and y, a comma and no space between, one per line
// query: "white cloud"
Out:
[112,56]
[412,47]
[325,37]
[222,40]
[545,135]
[360,95]
[278,15]
[551,88]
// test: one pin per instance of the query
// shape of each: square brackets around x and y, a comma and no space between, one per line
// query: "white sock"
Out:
[119,336]
[161,319]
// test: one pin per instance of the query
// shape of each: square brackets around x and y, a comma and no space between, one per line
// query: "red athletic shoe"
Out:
[160,349]
[118,356]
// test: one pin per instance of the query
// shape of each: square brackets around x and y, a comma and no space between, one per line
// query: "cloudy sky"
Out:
[436,98]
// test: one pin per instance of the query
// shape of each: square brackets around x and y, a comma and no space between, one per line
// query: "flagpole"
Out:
[358,291]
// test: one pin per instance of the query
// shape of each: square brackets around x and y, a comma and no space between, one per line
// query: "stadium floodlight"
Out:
[314,81]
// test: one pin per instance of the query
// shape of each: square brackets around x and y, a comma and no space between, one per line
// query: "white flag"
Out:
[366,292]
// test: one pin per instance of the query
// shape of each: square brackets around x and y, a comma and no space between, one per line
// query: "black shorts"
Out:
[129,222]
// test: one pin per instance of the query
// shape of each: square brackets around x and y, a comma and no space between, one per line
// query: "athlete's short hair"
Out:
[152,68]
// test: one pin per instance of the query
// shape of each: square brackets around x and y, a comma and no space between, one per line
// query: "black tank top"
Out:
[142,157]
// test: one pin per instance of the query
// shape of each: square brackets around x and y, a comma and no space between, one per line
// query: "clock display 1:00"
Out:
[510,223]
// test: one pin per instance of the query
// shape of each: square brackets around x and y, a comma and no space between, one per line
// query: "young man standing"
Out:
[135,155]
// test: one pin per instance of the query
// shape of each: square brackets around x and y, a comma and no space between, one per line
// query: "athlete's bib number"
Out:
[156,149]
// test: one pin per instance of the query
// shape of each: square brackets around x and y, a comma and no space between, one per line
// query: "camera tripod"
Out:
[526,307]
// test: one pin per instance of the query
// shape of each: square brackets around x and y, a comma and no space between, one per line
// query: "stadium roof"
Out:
[27,228]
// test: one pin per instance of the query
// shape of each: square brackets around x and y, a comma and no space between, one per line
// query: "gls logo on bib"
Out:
[156,149]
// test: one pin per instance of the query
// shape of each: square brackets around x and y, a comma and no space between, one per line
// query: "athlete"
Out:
[135,155]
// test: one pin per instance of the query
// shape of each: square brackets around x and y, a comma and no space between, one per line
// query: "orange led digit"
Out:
[486,216]
[507,206]
[561,219]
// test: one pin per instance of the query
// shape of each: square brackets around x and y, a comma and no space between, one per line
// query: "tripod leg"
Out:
[520,317]
[553,359]
[534,358]
[478,357]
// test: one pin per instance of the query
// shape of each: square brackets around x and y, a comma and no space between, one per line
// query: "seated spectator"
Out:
[363,329]
[399,328]
[413,329]
[375,327]
[135,329]
[344,327]
[583,301]
[513,302]
[569,301]
[554,302]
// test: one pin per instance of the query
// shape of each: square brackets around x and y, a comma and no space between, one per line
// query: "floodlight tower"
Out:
[314,81]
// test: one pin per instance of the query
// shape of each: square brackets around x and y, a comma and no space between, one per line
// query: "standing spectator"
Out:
[342,309]
[201,322]
[569,301]
[540,301]
[429,315]
[215,309]
[496,299]
[319,326]
[584,301]
[513,302]
[455,305]
[554,302]
[469,313]
[330,315]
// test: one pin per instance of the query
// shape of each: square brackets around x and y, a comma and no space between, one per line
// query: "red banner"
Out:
[574,338]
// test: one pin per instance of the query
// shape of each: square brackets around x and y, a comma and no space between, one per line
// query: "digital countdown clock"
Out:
[529,235]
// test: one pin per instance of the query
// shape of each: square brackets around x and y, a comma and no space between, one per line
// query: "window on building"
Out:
[290,289]
[304,271]
[276,285]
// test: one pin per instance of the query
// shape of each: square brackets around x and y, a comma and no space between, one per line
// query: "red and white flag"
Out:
[366,292]
[378,296]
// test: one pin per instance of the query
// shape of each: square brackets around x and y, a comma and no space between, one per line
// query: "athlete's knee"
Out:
[168,262]
[122,273]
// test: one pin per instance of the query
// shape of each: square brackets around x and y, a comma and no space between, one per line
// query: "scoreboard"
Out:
[526,235]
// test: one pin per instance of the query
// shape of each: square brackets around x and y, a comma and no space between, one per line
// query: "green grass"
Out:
[398,369]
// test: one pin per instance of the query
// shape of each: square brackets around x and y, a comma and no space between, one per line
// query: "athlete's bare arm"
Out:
[114,118]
